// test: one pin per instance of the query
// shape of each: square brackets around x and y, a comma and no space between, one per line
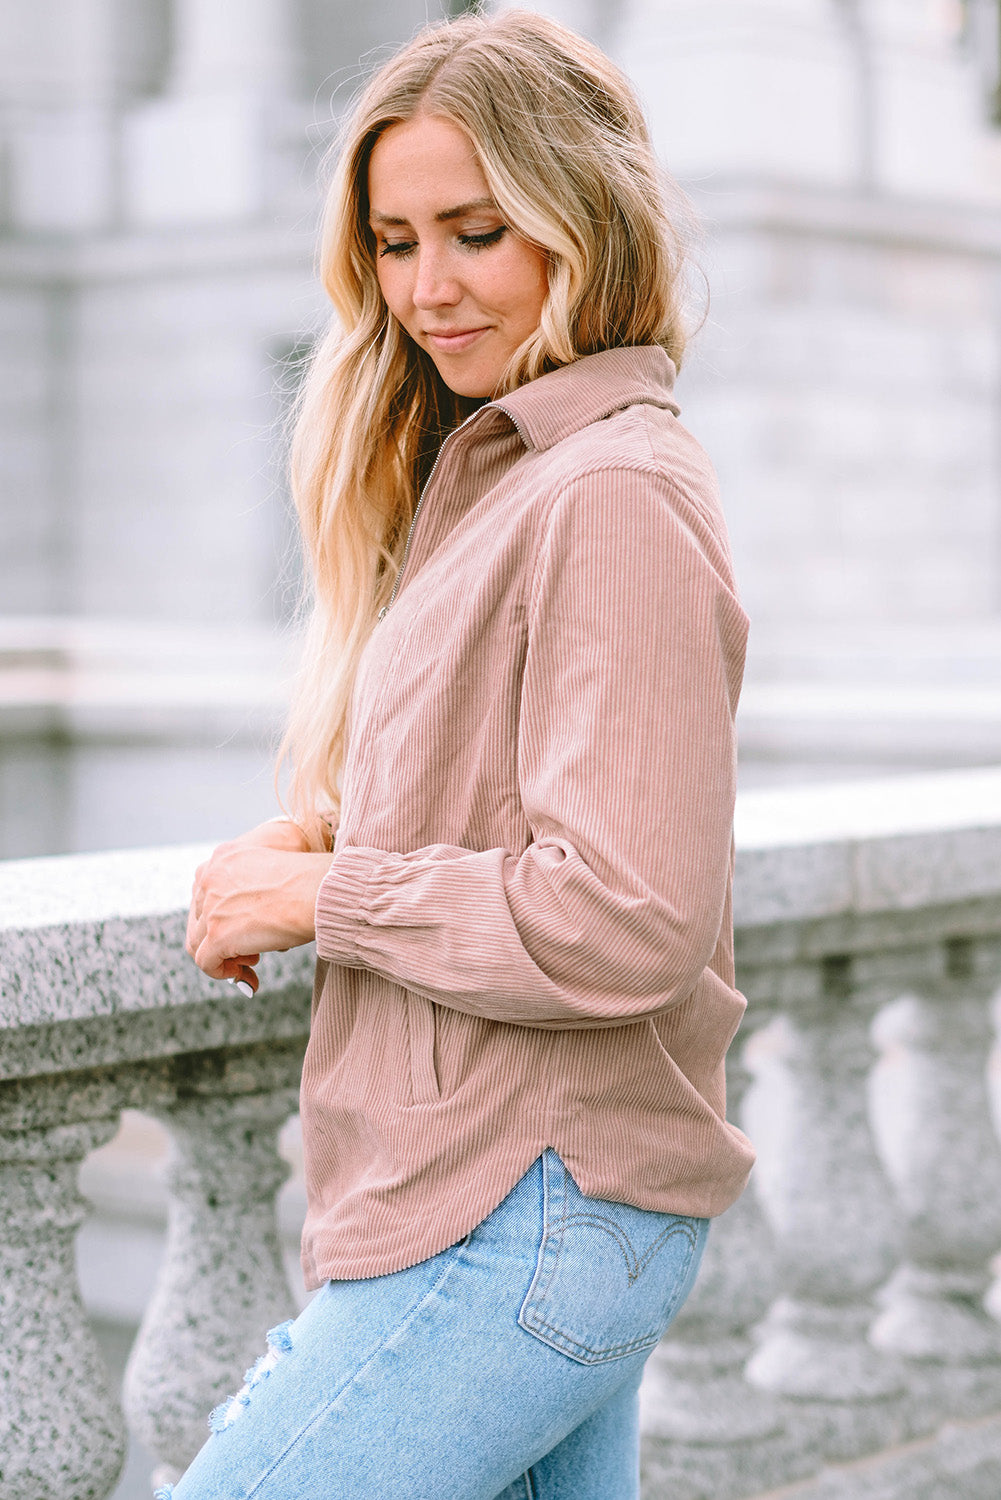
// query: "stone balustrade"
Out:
[102,1010]
[844,1336]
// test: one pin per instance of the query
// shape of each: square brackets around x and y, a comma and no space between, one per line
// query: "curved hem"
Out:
[320,1266]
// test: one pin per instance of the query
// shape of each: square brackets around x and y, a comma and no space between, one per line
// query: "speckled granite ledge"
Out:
[867,847]
[93,969]
[844,1309]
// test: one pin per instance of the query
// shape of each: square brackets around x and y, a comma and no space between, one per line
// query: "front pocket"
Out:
[421,1036]
[609,1277]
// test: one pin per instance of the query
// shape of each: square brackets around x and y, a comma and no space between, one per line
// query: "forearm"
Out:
[536,941]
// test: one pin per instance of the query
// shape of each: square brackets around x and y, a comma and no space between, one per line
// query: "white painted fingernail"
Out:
[244,987]
[230,980]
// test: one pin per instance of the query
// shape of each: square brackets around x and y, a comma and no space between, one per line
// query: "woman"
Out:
[517,716]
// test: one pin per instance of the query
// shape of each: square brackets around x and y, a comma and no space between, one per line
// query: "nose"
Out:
[435,285]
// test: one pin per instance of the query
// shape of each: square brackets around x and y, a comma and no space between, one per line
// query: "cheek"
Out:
[521,289]
[390,276]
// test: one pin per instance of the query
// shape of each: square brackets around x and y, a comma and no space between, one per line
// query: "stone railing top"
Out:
[89,943]
[865,847]
[93,968]
[62,891]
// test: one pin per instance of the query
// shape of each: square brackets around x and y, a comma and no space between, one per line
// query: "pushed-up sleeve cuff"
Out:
[341,905]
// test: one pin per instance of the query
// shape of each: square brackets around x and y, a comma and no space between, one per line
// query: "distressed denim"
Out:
[507,1366]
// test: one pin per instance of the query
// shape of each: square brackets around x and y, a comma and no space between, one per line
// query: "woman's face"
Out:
[465,287]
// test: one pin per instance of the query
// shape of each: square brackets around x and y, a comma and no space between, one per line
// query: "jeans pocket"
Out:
[609,1277]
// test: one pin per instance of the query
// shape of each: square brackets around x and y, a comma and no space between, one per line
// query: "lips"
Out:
[453,340]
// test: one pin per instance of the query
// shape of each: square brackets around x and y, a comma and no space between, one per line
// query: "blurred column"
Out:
[706,1429]
[765,87]
[203,153]
[596,19]
[222,48]
[67,69]
[932,132]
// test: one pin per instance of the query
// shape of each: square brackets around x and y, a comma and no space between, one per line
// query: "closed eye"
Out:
[480,241]
[403,248]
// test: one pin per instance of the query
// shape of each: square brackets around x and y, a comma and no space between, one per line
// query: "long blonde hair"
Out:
[563,144]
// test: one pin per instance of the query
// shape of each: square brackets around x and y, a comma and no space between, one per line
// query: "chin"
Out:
[473,387]
[473,393]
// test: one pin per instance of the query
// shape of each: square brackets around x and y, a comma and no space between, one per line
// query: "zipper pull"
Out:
[382,613]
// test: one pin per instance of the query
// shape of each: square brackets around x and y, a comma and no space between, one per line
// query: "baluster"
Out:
[932,1119]
[992,1301]
[62,1436]
[828,1205]
[222,1284]
[707,1431]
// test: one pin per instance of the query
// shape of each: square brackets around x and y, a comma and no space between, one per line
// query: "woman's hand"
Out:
[276,833]
[254,895]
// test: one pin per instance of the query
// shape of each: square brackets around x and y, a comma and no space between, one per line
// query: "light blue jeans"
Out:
[508,1366]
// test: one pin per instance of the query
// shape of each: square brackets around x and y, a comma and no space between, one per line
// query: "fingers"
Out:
[251,897]
[238,969]
[218,964]
[242,968]
[245,976]
[207,949]
[195,929]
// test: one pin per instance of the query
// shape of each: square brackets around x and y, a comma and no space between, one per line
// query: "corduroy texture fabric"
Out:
[525,936]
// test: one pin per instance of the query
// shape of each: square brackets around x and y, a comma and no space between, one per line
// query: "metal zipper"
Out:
[417,510]
[517,427]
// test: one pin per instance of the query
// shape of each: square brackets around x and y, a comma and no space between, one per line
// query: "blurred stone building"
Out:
[160,162]
[157,290]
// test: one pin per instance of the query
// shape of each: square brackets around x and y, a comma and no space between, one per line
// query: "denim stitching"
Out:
[408,1317]
[635,1264]
[552,1241]
[616,1350]
[612,1351]
[554,1235]
[555,1238]
[681,1224]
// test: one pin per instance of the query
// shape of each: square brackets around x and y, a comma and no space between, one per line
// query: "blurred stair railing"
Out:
[846,1307]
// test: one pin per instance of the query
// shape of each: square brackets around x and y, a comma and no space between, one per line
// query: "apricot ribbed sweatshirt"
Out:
[525,936]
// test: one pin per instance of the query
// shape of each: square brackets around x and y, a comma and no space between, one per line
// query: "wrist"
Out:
[324,827]
[313,872]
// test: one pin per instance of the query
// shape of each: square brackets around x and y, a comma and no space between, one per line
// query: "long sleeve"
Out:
[626,771]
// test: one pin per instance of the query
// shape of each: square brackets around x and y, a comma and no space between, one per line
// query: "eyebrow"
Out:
[459,212]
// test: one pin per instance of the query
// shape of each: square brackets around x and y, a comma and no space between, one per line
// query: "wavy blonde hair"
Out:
[565,150]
